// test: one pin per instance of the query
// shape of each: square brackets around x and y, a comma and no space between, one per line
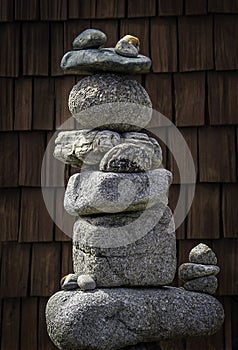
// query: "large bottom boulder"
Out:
[113,318]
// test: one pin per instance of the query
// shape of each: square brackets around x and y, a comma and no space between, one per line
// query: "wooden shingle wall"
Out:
[193,81]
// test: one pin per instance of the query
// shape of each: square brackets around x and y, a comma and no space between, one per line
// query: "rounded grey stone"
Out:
[86,282]
[208,284]
[89,38]
[70,282]
[114,318]
[188,271]
[126,49]
[202,254]
[148,259]
[89,61]
[93,192]
[110,101]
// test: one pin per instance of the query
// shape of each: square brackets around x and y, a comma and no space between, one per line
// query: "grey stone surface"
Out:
[90,61]
[89,147]
[70,282]
[138,258]
[124,48]
[208,284]
[86,282]
[107,100]
[90,38]
[114,318]
[202,254]
[188,271]
[92,192]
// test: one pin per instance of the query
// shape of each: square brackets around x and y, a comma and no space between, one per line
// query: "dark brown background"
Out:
[194,48]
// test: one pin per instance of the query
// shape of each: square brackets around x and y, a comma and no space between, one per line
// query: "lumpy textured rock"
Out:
[113,318]
[110,101]
[188,271]
[207,284]
[135,151]
[146,258]
[89,38]
[93,192]
[90,61]
[202,254]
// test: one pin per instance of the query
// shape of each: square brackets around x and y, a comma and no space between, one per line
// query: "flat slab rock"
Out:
[108,150]
[118,317]
[188,271]
[126,250]
[89,61]
[93,192]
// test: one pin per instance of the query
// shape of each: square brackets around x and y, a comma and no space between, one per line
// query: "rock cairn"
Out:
[124,234]
[200,273]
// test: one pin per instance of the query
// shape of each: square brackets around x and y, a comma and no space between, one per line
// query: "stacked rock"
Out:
[124,234]
[200,273]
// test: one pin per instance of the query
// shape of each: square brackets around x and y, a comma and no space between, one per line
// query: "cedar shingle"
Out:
[206,342]
[43,104]
[6,104]
[9,159]
[10,324]
[35,48]
[189,98]
[9,214]
[195,7]
[204,215]
[9,39]
[227,255]
[53,10]
[29,323]
[159,89]
[67,265]
[178,344]
[32,147]
[173,199]
[170,7]
[35,223]
[141,8]
[195,43]
[23,104]
[57,47]
[190,137]
[52,169]
[45,269]
[138,28]
[71,30]
[228,6]
[15,266]
[226,42]
[227,322]
[63,86]
[6,10]
[234,321]
[27,10]
[163,43]
[110,28]
[43,340]
[110,8]
[229,210]
[223,97]
[82,9]
[65,220]
[217,161]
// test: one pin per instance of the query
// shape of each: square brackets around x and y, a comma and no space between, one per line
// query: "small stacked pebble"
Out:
[200,273]
[124,234]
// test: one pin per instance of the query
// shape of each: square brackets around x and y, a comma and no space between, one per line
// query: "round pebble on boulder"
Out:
[202,254]
[89,38]
[126,49]
[86,282]
[110,101]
